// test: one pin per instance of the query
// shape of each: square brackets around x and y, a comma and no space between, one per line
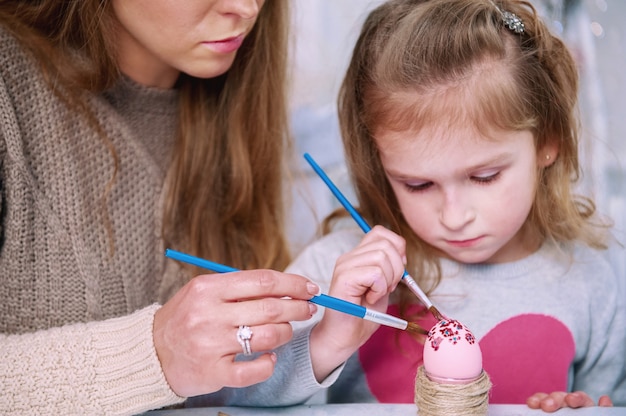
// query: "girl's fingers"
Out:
[578,399]
[559,399]
[605,401]
[380,232]
[373,270]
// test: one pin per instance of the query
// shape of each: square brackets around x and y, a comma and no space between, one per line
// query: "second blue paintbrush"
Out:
[322,300]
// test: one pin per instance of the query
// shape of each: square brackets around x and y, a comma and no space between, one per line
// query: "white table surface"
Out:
[367,409]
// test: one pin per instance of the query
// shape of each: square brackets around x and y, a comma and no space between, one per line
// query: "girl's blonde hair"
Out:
[225,182]
[409,50]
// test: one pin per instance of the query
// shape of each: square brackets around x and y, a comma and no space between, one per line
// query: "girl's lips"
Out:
[463,243]
[225,45]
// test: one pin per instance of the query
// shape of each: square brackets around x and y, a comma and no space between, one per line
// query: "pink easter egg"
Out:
[452,354]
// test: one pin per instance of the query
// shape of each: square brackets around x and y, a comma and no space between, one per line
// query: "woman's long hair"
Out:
[225,199]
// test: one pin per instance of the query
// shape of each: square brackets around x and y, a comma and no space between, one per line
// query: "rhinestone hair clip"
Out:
[513,22]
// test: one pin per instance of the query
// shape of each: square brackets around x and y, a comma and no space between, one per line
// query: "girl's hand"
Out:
[559,399]
[195,333]
[365,276]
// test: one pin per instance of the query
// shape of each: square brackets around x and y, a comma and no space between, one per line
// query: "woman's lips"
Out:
[225,45]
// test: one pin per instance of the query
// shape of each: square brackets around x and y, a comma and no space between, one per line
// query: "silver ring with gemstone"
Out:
[244,334]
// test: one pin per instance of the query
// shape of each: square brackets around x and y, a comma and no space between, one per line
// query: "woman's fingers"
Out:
[263,338]
[248,298]
[267,310]
[252,284]
[195,333]
[246,373]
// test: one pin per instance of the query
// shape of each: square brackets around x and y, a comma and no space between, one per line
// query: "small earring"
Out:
[547,157]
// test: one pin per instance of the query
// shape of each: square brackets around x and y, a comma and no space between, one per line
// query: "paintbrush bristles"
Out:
[414,328]
[436,313]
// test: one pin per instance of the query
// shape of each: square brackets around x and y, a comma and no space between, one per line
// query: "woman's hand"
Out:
[559,399]
[195,333]
[365,276]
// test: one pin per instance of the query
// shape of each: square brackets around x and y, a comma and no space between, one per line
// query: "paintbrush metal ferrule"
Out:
[322,300]
[359,311]
[414,287]
[385,319]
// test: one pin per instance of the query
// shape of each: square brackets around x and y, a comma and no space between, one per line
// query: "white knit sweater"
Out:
[76,319]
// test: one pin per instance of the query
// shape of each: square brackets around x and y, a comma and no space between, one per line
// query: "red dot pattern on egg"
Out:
[451,353]
[451,329]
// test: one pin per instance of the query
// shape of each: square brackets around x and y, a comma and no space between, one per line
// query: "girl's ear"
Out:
[547,154]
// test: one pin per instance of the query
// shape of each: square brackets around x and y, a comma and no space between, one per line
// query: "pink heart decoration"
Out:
[523,355]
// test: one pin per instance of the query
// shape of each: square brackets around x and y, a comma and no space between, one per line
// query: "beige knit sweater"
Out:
[76,320]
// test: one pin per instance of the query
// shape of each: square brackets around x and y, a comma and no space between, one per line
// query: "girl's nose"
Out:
[456,213]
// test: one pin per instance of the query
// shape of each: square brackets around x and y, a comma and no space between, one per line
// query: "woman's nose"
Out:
[246,9]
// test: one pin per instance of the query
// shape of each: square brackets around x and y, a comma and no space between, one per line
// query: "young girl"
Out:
[127,127]
[458,120]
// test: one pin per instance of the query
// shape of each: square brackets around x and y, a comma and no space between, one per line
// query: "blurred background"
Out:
[325,32]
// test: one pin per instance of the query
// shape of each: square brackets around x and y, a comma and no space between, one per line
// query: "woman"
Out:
[129,126]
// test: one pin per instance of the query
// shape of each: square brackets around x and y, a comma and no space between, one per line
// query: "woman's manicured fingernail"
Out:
[312,288]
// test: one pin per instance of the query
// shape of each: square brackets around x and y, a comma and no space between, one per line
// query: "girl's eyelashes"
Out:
[485,179]
[417,187]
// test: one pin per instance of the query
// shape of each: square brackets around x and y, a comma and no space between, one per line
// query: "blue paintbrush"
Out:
[406,277]
[322,300]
